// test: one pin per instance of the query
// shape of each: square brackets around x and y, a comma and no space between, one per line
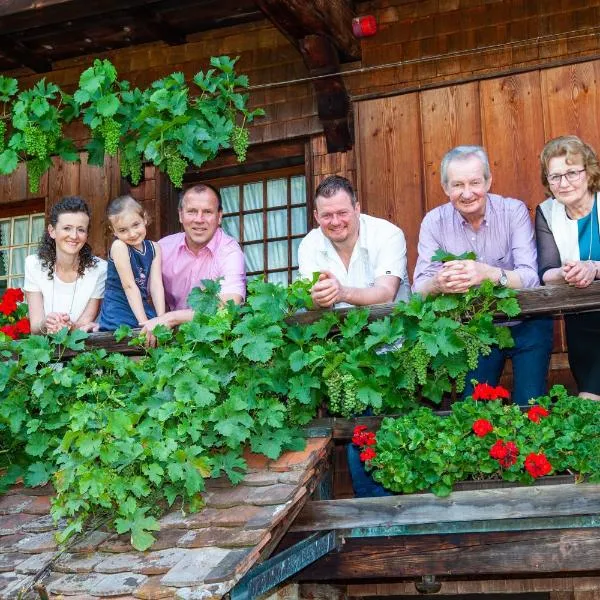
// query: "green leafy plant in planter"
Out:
[484,438]
[168,124]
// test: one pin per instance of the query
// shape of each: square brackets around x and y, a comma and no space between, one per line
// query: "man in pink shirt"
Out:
[202,251]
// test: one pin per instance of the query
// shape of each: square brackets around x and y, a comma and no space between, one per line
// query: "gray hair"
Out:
[463,153]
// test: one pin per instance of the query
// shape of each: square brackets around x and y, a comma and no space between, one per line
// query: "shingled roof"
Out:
[200,555]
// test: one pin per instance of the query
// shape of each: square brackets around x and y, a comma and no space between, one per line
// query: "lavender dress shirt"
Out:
[505,239]
[182,270]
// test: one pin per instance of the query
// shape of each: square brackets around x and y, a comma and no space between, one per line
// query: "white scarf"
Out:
[564,229]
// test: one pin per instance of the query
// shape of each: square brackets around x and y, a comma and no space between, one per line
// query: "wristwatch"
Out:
[503,281]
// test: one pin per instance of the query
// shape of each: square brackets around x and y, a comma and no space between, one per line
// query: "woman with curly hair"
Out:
[568,238]
[64,281]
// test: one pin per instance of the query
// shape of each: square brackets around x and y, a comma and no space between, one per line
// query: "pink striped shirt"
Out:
[182,270]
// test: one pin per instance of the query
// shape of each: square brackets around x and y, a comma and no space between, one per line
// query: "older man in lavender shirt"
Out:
[202,251]
[500,233]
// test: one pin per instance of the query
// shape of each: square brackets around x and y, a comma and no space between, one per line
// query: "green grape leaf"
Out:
[441,255]
[8,161]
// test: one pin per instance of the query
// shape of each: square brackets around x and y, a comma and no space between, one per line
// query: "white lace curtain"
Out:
[18,238]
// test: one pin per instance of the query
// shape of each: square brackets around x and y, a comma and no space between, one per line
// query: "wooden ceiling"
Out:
[34,34]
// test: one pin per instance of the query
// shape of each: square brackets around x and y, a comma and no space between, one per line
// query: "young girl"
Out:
[134,271]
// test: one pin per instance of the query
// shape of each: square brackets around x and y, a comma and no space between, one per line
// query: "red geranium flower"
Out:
[505,453]
[362,437]
[482,427]
[367,454]
[485,391]
[10,331]
[8,306]
[535,413]
[537,465]
[23,327]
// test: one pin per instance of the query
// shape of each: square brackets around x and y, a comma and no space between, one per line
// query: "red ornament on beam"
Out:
[364,26]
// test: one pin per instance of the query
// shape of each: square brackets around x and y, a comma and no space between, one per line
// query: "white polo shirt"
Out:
[380,250]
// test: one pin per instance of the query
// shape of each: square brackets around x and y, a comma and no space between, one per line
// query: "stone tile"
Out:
[255,462]
[9,560]
[37,542]
[228,567]
[192,570]
[42,524]
[75,584]
[217,483]
[213,591]
[226,498]
[117,543]
[11,585]
[160,562]
[35,563]
[244,538]
[39,506]
[260,478]
[44,490]
[14,522]
[118,584]
[166,538]
[268,516]
[296,477]
[235,516]
[295,461]
[10,505]
[79,563]
[203,538]
[153,589]
[90,543]
[9,542]
[122,562]
[269,495]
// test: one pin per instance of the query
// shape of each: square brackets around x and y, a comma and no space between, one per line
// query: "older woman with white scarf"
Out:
[568,238]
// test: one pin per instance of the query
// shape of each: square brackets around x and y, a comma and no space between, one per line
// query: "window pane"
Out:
[299,224]
[18,261]
[280,277]
[4,263]
[231,225]
[295,244]
[3,286]
[37,229]
[253,227]
[17,282]
[231,198]
[298,184]
[277,225]
[278,256]
[5,233]
[277,192]
[253,195]
[255,260]
[21,231]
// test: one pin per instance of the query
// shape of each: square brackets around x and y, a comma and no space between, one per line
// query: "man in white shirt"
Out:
[361,259]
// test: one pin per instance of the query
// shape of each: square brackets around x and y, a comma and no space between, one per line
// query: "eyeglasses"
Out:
[571,176]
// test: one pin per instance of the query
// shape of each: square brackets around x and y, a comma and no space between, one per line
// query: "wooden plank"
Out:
[63,179]
[449,117]
[490,505]
[571,101]
[390,186]
[525,553]
[513,135]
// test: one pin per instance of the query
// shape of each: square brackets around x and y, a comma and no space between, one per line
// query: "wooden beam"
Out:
[18,52]
[368,517]
[544,300]
[519,553]
[297,19]
[159,27]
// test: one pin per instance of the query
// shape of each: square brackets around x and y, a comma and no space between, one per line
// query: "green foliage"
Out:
[127,437]
[443,256]
[423,451]
[167,124]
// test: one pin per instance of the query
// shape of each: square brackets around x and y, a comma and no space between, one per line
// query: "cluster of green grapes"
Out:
[131,168]
[110,131]
[341,389]
[36,167]
[36,141]
[176,166]
[239,140]
[474,348]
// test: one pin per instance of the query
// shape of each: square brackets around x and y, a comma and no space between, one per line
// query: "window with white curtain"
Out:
[19,237]
[267,214]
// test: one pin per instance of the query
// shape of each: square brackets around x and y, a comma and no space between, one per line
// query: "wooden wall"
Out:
[401,139]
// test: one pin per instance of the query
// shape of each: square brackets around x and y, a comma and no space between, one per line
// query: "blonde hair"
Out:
[123,203]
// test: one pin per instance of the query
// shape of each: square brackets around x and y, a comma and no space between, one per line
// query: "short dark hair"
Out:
[332,185]
[200,188]
[571,147]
